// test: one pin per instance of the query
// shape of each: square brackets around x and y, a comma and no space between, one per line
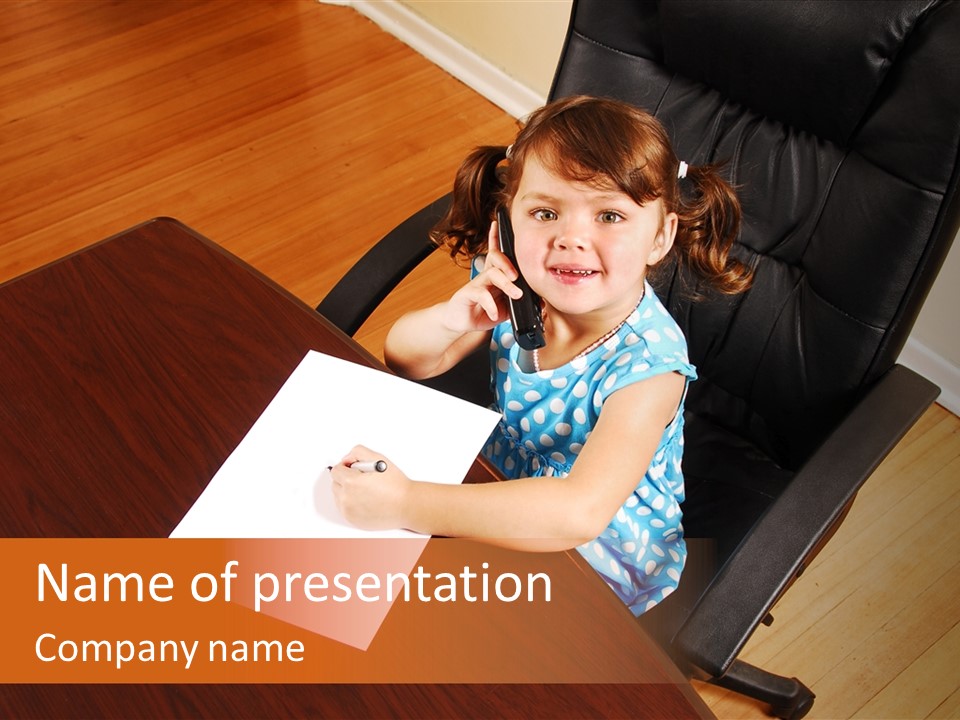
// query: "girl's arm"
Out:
[430,341]
[421,344]
[543,513]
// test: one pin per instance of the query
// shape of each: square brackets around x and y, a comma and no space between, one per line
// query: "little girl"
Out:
[592,422]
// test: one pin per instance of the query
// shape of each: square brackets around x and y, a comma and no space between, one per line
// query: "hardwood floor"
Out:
[296,134]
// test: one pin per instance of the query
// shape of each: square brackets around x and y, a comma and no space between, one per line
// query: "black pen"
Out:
[372,466]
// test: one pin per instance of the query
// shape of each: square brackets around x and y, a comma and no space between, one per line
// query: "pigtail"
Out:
[709,224]
[477,190]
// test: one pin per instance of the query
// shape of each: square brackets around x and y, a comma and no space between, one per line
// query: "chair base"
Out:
[788,698]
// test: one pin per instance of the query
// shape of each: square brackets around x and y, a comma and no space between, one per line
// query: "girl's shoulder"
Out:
[652,322]
[649,342]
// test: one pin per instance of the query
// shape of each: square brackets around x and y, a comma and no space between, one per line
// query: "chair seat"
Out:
[729,483]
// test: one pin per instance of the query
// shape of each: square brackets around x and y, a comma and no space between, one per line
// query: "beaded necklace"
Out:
[535,354]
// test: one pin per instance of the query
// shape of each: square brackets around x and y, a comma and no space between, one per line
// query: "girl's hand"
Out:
[481,304]
[427,342]
[370,500]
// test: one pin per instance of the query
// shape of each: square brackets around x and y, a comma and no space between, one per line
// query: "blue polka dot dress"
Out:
[547,417]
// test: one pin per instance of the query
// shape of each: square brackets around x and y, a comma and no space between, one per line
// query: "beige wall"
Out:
[938,326]
[524,38]
[521,37]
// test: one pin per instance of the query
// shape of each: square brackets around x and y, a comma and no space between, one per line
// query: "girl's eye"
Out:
[610,216]
[544,215]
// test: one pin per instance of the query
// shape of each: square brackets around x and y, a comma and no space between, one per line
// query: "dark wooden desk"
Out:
[130,371]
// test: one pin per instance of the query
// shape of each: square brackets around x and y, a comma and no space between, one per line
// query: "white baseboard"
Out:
[464,64]
[921,359]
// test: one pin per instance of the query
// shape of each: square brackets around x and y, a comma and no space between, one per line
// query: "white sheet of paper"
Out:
[275,483]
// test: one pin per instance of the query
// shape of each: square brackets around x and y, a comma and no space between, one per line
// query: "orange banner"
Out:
[328,611]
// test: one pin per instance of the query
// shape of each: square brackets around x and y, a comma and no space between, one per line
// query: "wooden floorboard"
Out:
[296,134]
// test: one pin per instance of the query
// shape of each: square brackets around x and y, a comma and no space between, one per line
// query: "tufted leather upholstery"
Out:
[842,156]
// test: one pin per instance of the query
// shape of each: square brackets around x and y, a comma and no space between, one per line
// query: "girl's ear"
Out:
[664,240]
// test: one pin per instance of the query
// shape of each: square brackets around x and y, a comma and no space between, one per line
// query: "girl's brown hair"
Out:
[609,144]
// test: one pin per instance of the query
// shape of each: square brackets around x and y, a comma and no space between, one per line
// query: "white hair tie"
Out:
[682,171]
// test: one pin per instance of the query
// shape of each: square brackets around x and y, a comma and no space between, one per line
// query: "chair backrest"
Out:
[833,118]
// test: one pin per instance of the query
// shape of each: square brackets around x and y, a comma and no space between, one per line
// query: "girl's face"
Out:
[585,249]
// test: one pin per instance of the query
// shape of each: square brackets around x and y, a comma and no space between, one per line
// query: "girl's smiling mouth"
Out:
[572,274]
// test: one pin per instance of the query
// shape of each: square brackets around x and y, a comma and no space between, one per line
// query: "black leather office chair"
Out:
[840,125]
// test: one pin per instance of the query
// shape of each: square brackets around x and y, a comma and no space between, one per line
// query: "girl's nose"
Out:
[574,234]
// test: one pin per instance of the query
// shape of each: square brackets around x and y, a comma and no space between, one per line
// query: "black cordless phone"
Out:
[525,313]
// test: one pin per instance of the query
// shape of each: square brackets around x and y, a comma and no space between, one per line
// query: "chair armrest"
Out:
[779,545]
[358,293]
